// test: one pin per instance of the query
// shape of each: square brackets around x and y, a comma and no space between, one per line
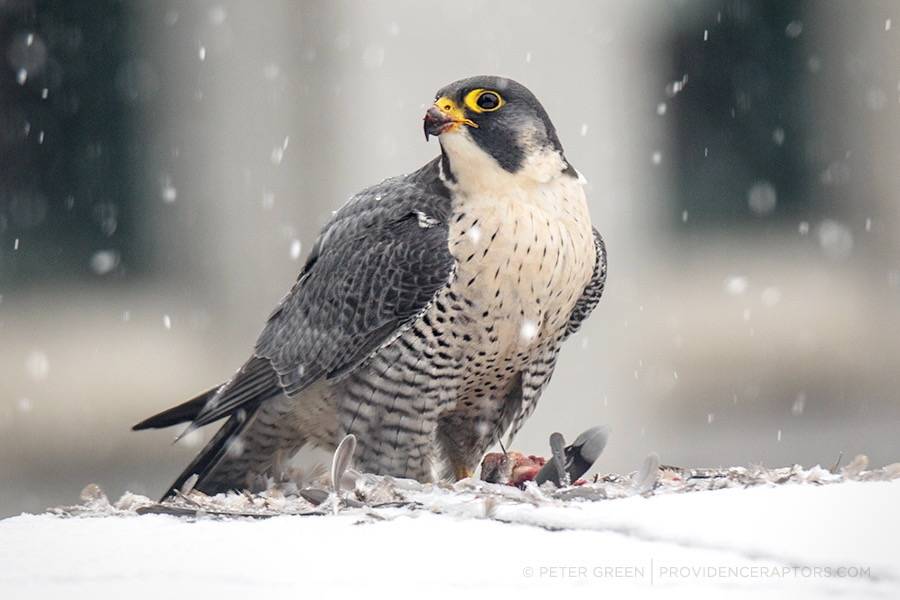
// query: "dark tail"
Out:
[182,413]
[208,465]
[239,454]
[214,473]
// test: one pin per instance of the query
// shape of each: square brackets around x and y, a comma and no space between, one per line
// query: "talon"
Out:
[462,472]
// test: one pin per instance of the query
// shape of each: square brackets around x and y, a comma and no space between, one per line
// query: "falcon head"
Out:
[491,125]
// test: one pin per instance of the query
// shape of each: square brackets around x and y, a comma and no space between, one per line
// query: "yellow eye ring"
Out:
[481,100]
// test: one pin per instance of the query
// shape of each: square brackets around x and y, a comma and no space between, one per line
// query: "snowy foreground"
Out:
[787,532]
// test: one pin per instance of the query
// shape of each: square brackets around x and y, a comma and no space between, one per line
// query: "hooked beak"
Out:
[444,115]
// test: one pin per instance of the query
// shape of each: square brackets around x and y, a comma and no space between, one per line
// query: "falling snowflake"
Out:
[835,239]
[736,285]
[529,330]
[799,404]
[778,136]
[373,56]
[793,29]
[770,296]
[278,152]
[37,365]
[762,198]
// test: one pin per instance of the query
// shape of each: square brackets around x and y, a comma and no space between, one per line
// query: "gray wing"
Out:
[593,291]
[375,267]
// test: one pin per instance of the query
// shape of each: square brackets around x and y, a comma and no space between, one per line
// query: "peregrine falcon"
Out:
[428,316]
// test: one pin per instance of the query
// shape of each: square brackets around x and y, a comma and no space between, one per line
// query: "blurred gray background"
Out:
[165,166]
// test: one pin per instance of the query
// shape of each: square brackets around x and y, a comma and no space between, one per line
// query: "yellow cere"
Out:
[454,111]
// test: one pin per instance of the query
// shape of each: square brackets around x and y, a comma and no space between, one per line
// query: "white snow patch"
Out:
[781,541]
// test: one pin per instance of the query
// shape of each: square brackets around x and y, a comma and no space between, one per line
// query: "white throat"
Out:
[474,170]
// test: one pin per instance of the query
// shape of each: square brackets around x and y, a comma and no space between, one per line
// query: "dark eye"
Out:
[481,101]
[488,101]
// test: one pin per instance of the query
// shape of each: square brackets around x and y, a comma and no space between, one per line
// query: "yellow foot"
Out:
[462,472]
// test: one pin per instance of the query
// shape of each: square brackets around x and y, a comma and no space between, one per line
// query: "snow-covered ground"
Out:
[797,539]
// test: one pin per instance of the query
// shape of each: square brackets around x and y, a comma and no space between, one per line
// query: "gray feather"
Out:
[341,460]
[590,444]
[372,272]
[648,475]
[554,469]
[594,289]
